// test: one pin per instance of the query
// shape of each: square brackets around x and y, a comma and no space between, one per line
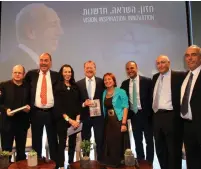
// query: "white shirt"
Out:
[137,83]
[183,88]
[29,51]
[93,86]
[165,101]
[50,98]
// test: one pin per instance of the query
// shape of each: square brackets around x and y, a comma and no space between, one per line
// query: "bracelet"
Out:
[67,118]
[78,121]
[123,124]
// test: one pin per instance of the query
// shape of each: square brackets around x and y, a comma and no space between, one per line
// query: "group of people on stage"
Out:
[165,108]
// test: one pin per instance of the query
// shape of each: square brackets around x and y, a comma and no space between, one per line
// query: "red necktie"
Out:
[43,93]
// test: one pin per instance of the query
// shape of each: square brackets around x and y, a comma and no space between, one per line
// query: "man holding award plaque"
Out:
[91,89]
[14,118]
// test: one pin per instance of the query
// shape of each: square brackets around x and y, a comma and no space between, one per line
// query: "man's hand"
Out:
[8,112]
[27,109]
[88,102]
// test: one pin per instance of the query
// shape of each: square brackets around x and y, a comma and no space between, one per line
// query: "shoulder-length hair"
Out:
[112,76]
[72,79]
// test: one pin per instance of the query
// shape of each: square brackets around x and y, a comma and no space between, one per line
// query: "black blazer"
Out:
[32,79]
[6,101]
[195,104]
[145,94]
[84,95]
[66,101]
[176,82]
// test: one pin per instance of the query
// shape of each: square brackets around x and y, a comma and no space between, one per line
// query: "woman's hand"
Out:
[74,123]
[123,128]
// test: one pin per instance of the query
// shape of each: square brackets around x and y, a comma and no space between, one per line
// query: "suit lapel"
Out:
[172,80]
[196,86]
[127,86]
[141,86]
[97,87]
[84,84]
[53,78]
[35,81]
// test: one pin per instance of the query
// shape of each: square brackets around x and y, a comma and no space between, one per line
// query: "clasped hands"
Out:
[74,123]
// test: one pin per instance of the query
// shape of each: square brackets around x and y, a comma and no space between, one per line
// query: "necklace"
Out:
[110,94]
[68,88]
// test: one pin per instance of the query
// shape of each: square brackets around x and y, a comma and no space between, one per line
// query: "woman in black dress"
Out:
[67,110]
[115,109]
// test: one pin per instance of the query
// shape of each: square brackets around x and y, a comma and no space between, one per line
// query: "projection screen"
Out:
[109,33]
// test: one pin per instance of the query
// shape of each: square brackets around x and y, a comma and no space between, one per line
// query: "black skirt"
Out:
[115,141]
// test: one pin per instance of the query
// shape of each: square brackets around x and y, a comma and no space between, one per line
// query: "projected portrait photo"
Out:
[38,30]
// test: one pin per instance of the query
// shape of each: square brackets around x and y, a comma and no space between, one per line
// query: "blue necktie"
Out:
[135,109]
[185,100]
[157,96]
[89,89]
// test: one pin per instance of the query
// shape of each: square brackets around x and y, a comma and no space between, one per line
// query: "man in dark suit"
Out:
[14,94]
[138,89]
[91,88]
[42,83]
[167,121]
[190,107]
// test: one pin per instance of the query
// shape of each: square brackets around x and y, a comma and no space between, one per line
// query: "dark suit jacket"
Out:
[21,119]
[145,94]
[17,56]
[32,79]
[195,104]
[176,82]
[84,95]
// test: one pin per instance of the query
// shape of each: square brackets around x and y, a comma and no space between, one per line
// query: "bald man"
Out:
[190,107]
[166,107]
[13,95]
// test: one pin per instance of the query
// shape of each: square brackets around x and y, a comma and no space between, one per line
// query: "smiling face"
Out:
[108,81]
[18,73]
[163,64]
[193,58]
[131,69]
[45,62]
[90,69]
[67,73]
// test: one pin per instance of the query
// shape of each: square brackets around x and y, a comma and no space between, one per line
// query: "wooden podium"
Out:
[95,165]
